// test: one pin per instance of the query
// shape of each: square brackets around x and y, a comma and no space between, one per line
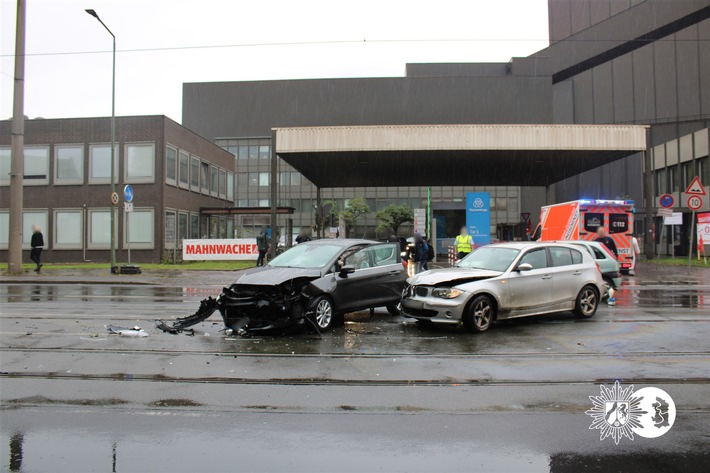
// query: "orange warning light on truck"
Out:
[580,220]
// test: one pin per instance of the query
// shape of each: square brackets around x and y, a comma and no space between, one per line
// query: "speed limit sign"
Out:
[695,202]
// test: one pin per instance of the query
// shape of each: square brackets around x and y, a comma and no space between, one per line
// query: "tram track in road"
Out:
[384,356]
[160,378]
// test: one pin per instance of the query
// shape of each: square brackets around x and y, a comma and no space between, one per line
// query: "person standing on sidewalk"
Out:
[262,245]
[421,248]
[37,243]
[604,238]
[464,244]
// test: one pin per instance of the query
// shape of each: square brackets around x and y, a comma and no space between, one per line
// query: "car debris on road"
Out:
[127,331]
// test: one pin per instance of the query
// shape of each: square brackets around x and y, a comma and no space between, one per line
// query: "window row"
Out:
[190,172]
[253,179]
[182,225]
[245,151]
[73,228]
[677,178]
[69,167]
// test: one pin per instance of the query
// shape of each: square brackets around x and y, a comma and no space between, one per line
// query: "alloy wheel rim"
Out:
[588,301]
[323,314]
[482,314]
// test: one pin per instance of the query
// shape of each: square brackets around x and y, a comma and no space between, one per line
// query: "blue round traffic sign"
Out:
[128,193]
[667,201]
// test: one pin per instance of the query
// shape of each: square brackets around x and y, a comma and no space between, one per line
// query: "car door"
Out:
[567,273]
[530,291]
[373,282]
[391,275]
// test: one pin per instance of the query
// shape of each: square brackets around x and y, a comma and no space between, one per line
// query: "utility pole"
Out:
[14,257]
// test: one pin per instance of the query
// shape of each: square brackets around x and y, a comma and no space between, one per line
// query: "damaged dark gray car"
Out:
[311,283]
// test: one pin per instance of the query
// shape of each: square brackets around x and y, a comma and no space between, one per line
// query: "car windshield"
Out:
[306,256]
[492,258]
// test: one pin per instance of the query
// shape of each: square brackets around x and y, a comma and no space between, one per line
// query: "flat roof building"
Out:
[609,62]
[174,173]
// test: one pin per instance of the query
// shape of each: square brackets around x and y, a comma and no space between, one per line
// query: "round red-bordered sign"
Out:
[667,201]
[695,202]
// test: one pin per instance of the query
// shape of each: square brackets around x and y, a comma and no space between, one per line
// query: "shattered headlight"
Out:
[446,292]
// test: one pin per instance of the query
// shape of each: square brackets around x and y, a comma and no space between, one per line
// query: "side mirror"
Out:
[347,269]
[524,267]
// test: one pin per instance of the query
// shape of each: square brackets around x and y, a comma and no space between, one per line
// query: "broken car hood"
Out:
[458,275]
[270,276]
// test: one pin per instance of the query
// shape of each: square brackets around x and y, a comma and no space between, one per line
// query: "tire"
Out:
[393,309]
[323,314]
[608,284]
[480,314]
[587,302]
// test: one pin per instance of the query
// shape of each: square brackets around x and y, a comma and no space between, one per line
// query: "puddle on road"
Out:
[101,292]
[186,449]
[190,442]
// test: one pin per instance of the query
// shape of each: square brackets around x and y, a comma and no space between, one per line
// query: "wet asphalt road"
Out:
[380,394]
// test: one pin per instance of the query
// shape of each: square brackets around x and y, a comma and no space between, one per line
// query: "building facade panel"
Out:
[73,199]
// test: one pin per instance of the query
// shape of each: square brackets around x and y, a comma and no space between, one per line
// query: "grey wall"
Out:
[241,109]
[665,84]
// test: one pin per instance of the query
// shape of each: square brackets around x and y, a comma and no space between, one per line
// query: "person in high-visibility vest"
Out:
[464,243]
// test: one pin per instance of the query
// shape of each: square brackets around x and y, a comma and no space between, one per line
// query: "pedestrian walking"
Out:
[421,252]
[464,244]
[262,244]
[37,244]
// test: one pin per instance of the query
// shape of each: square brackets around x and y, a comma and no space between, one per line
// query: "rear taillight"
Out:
[598,268]
[404,263]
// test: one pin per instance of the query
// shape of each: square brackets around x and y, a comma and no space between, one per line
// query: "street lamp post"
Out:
[113,140]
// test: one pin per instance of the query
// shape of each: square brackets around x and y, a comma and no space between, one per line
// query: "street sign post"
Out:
[128,208]
[128,193]
[667,201]
[695,202]
[695,187]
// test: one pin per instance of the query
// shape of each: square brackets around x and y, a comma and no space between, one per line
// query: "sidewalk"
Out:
[103,276]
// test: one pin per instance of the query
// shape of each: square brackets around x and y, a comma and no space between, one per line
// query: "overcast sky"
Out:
[163,43]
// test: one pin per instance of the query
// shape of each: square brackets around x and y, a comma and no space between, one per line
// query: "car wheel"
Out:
[480,314]
[587,302]
[323,313]
[393,309]
[608,284]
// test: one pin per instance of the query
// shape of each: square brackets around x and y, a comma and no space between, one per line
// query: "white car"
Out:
[506,280]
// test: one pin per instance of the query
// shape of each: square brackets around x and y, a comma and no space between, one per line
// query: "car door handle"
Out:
[577,273]
[547,276]
[394,273]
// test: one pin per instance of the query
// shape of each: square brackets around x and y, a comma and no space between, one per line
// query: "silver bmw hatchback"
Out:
[504,281]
